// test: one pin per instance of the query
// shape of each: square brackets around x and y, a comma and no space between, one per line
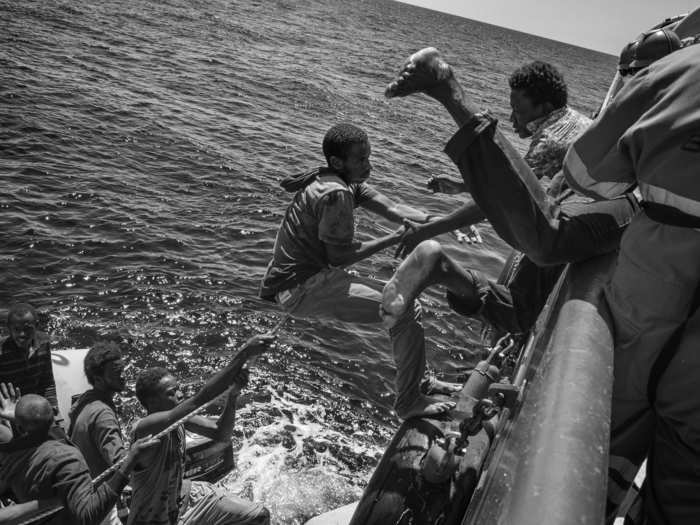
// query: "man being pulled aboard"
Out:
[316,239]
[539,110]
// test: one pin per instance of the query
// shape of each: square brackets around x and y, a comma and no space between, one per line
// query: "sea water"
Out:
[142,146]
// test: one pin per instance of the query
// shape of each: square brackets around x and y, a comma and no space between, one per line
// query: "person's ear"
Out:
[336,163]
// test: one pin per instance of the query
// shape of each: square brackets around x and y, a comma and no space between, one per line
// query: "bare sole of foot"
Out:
[435,386]
[425,406]
[408,281]
[422,71]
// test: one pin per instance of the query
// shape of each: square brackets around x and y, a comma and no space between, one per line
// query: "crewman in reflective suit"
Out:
[649,136]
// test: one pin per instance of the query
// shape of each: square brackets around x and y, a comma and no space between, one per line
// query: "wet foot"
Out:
[408,282]
[425,406]
[424,71]
[435,386]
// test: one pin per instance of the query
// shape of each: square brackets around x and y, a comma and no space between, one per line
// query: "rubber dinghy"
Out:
[528,441]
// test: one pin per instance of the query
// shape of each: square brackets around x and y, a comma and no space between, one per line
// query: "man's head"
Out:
[158,390]
[647,49]
[104,367]
[21,322]
[536,89]
[33,415]
[347,150]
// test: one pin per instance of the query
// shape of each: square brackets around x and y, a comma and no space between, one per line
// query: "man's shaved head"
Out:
[34,414]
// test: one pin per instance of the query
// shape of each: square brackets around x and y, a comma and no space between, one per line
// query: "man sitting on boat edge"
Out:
[317,238]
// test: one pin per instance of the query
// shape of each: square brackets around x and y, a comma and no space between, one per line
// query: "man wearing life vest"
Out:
[649,136]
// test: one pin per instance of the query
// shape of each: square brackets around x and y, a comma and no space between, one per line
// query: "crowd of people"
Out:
[624,182]
[45,468]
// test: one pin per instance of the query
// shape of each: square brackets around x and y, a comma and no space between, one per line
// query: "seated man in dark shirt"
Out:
[35,466]
[25,358]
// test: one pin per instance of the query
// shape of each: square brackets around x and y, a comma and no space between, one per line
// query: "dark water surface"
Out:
[141,147]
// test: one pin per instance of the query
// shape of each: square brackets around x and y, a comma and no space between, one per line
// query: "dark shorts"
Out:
[513,302]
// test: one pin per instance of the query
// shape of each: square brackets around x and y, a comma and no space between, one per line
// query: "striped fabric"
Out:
[31,372]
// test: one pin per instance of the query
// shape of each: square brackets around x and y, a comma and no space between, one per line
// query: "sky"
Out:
[603,25]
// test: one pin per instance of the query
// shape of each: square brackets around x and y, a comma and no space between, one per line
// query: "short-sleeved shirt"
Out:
[321,213]
[31,371]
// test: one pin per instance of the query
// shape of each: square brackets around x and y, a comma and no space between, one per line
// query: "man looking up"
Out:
[159,494]
[317,238]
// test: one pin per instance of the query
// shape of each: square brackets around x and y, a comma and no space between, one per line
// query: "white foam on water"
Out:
[299,465]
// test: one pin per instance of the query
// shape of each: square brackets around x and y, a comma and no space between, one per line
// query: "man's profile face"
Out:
[22,329]
[523,111]
[113,375]
[168,394]
[356,166]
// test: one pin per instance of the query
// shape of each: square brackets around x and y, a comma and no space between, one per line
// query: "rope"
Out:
[99,479]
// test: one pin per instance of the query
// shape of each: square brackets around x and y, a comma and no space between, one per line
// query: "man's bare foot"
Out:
[424,71]
[425,406]
[413,275]
[432,385]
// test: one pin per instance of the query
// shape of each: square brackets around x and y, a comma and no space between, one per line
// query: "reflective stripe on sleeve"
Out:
[576,174]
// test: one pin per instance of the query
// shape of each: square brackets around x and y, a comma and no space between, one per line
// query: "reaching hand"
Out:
[414,234]
[9,395]
[471,237]
[257,344]
[445,185]
[239,383]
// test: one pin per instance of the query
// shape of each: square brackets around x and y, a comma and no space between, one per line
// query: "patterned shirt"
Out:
[31,371]
[551,137]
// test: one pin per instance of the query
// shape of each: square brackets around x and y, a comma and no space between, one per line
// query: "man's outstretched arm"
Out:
[221,429]
[154,423]
[393,211]
[347,254]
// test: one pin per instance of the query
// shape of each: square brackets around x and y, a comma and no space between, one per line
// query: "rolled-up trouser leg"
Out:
[338,295]
[513,200]
[650,295]
[408,345]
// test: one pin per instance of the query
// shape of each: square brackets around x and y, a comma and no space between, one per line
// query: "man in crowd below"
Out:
[160,495]
[317,238]
[25,358]
[524,216]
[35,466]
[94,427]
[538,100]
